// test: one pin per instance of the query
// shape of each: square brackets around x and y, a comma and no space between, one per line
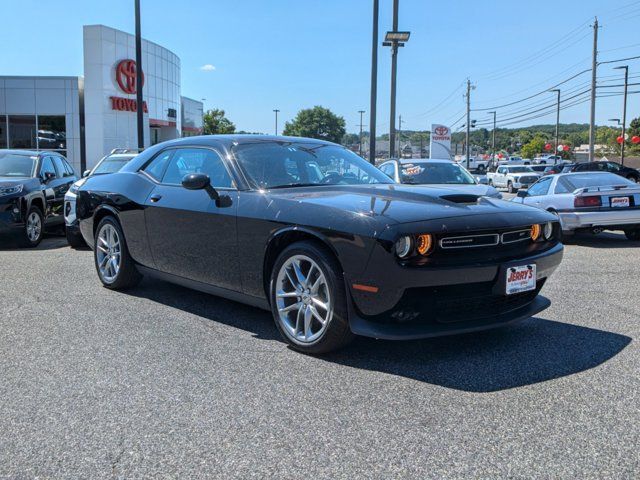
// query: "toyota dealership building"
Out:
[86,117]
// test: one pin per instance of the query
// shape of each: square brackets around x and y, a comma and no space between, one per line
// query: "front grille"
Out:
[519,236]
[455,303]
[470,241]
[528,180]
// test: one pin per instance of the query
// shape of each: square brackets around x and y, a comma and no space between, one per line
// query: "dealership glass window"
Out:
[3,131]
[22,131]
[52,132]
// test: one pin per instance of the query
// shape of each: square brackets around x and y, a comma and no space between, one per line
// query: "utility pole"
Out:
[493,138]
[394,71]
[139,104]
[468,124]
[275,110]
[594,66]
[624,109]
[361,112]
[557,90]
[374,85]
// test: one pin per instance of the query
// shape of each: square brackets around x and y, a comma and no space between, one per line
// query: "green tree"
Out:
[350,139]
[215,123]
[316,122]
[533,147]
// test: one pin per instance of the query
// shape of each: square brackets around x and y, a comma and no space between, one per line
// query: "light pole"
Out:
[139,106]
[374,84]
[624,109]
[493,137]
[202,130]
[361,112]
[557,90]
[394,39]
[275,110]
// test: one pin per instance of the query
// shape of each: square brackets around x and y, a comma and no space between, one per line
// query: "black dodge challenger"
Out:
[314,233]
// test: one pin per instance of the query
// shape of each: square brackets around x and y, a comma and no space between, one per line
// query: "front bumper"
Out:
[576,220]
[426,302]
[11,218]
[70,218]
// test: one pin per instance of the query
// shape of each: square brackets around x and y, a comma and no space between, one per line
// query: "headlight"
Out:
[535,232]
[548,230]
[424,244]
[10,190]
[403,246]
[74,188]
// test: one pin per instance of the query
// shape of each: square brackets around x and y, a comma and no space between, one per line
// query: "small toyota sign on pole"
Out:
[440,142]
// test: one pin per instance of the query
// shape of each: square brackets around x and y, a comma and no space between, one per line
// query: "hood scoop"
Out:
[461,198]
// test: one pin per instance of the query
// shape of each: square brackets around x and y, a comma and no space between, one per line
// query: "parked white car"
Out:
[475,163]
[593,201]
[513,177]
[547,160]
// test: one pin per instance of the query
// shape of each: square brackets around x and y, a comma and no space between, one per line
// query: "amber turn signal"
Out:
[535,232]
[424,244]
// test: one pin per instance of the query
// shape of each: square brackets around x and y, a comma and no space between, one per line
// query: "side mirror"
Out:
[86,173]
[199,181]
[522,193]
[48,176]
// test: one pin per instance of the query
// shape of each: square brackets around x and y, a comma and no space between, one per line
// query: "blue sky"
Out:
[293,54]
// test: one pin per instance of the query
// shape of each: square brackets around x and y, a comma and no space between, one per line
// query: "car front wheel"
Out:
[116,269]
[33,228]
[308,299]
[510,188]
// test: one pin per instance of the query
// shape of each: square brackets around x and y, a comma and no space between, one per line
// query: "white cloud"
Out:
[207,68]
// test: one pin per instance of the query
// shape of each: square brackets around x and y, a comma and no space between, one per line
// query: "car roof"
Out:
[237,139]
[117,156]
[27,153]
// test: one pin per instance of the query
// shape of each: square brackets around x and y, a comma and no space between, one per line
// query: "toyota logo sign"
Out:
[126,76]
[442,131]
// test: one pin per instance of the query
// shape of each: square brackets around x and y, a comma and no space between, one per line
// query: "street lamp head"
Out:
[625,67]
[555,90]
[397,36]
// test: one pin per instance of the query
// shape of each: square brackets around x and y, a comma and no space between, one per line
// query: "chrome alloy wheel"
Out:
[34,227]
[108,253]
[303,299]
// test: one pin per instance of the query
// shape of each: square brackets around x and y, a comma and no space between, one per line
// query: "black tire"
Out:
[510,188]
[633,178]
[490,183]
[29,240]
[633,235]
[128,275]
[74,240]
[337,333]
[481,168]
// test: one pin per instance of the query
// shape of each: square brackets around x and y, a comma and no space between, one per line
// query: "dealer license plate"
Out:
[620,202]
[521,279]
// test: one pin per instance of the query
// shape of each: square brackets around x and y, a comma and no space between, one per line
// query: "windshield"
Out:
[572,182]
[520,169]
[111,164]
[429,173]
[280,164]
[16,165]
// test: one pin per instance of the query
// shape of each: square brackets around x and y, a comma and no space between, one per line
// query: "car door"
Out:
[537,194]
[191,235]
[500,178]
[49,179]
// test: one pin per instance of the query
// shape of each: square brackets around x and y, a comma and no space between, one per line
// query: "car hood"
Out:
[13,181]
[478,189]
[395,203]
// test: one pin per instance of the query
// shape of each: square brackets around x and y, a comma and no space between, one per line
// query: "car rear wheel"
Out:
[33,228]
[116,269]
[633,234]
[308,299]
[481,168]
[633,178]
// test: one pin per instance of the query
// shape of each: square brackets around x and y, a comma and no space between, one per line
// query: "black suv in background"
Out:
[32,189]
[605,166]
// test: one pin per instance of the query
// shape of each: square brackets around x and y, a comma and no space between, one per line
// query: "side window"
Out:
[156,168]
[69,172]
[387,169]
[197,160]
[561,186]
[47,167]
[502,170]
[59,167]
[541,187]
[613,167]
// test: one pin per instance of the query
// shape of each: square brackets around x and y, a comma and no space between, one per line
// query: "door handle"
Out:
[155,198]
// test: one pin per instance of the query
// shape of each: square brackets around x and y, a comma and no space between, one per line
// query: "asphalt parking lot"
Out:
[164,381]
